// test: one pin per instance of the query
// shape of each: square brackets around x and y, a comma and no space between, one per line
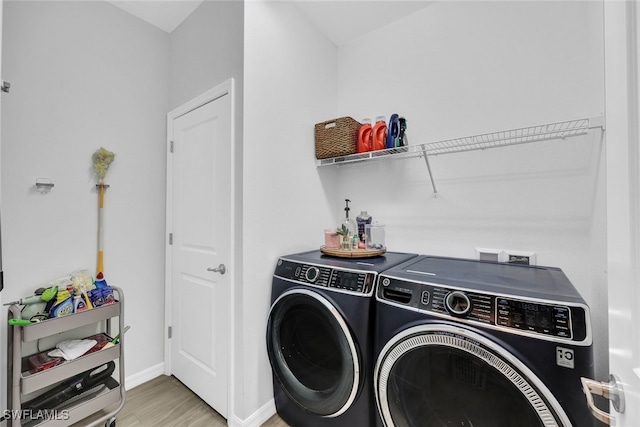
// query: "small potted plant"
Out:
[344,231]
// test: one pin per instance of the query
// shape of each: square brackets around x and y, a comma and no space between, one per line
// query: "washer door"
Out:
[442,375]
[312,353]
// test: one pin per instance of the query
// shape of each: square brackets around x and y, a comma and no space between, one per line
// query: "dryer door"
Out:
[442,375]
[312,353]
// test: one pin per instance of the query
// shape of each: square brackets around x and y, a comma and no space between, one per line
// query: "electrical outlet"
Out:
[521,257]
[506,255]
[487,254]
[517,259]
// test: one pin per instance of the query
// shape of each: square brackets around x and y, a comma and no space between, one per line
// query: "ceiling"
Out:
[346,20]
[341,21]
[164,14]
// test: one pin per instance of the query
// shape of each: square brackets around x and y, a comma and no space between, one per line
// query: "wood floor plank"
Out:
[165,401]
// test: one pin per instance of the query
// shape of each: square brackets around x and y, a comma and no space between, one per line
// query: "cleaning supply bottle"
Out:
[379,134]
[362,220]
[364,137]
[79,304]
[402,140]
[355,241]
[100,281]
[392,132]
[63,304]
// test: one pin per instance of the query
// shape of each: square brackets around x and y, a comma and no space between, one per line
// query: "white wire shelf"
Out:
[558,130]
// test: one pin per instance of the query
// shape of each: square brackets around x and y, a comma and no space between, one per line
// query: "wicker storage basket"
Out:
[337,137]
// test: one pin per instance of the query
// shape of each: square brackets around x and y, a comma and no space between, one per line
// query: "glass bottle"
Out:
[348,227]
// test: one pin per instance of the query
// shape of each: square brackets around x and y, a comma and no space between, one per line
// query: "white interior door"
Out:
[623,203]
[201,216]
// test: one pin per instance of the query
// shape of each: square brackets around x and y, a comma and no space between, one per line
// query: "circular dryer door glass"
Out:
[433,379]
[312,353]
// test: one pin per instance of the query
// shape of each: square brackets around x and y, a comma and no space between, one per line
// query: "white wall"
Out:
[85,75]
[466,68]
[453,69]
[207,49]
[290,84]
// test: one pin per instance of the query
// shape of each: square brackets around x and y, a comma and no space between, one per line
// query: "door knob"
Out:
[219,269]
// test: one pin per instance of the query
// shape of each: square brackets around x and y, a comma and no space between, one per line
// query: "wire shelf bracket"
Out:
[544,132]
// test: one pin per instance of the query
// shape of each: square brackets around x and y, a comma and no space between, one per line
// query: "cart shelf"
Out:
[49,327]
[33,382]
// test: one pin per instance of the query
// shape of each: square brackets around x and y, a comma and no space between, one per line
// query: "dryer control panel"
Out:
[351,281]
[552,319]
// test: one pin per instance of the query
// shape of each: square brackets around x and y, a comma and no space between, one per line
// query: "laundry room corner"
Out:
[465,69]
[472,69]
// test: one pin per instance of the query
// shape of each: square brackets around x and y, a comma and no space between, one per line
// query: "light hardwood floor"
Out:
[165,401]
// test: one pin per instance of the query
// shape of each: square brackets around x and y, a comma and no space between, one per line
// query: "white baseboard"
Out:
[257,418]
[144,376]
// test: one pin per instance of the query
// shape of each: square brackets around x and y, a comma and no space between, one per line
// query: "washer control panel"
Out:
[552,319]
[541,318]
[351,281]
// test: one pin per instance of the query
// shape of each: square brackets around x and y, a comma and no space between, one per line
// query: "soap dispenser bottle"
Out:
[348,228]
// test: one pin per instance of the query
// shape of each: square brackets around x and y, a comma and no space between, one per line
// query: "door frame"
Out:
[622,103]
[225,88]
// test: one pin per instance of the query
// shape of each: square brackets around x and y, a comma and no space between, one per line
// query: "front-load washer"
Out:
[320,338]
[484,344]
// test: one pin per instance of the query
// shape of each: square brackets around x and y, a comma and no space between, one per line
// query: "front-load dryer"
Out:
[320,338]
[480,344]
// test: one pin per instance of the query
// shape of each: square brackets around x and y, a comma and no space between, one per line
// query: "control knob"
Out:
[312,274]
[458,303]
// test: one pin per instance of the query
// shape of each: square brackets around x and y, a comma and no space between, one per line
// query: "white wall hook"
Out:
[44,185]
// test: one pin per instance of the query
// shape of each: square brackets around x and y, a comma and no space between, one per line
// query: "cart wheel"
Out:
[110,423]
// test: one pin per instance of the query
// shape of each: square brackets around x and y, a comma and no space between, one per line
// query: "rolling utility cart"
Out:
[75,389]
